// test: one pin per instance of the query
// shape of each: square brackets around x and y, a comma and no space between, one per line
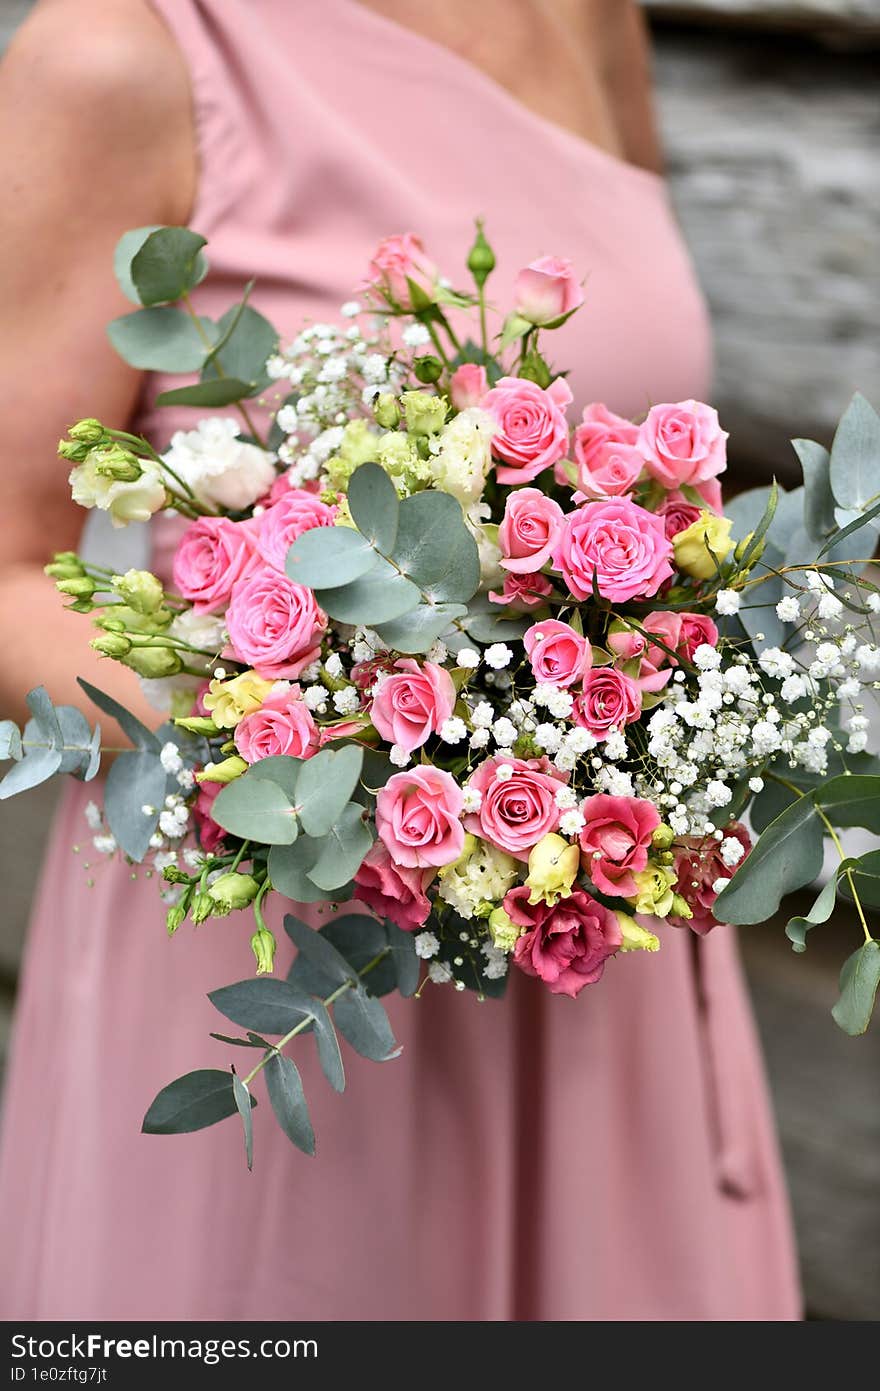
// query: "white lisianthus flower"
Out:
[126,502]
[221,469]
[464,458]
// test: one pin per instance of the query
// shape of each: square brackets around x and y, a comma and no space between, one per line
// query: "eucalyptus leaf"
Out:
[435,549]
[815,462]
[407,966]
[318,949]
[140,736]
[865,872]
[251,1042]
[374,505]
[768,804]
[419,629]
[126,249]
[160,340]
[135,780]
[38,766]
[487,623]
[851,800]
[288,868]
[242,1099]
[221,391]
[327,1044]
[252,339]
[45,718]
[359,938]
[10,740]
[167,265]
[343,849]
[327,557]
[256,809]
[76,740]
[855,456]
[325,784]
[285,1088]
[263,1003]
[192,1103]
[280,768]
[796,929]
[363,1023]
[858,987]
[786,857]
[378,596]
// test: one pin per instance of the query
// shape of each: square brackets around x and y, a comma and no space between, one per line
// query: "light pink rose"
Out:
[620,545]
[696,629]
[532,429]
[699,865]
[600,431]
[565,946]
[395,261]
[677,513]
[275,626]
[393,891]
[629,645]
[343,729]
[282,725]
[616,840]
[615,472]
[279,526]
[212,555]
[529,530]
[522,592]
[683,633]
[546,290]
[417,818]
[412,704]
[468,385]
[609,700]
[710,492]
[559,656]
[683,443]
[517,811]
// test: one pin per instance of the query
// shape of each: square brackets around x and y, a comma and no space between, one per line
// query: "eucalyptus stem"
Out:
[847,873]
[308,1019]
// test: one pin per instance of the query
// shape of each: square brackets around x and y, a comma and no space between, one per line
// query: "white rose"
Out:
[221,469]
[126,502]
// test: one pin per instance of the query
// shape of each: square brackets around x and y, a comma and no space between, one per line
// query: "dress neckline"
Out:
[480,78]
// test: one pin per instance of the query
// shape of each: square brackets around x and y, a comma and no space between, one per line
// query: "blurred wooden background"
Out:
[771,121]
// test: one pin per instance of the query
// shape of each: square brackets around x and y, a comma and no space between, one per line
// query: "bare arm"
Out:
[626,78]
[98,137]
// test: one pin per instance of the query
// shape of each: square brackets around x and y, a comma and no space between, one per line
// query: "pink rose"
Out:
[213,554]
[620,545]
[696,629]
[615,471]
[699,865]
[559,655]
[417,818]
[609,700]
[343,729]
[393,891]
[710,492]
[518,810]
[468,385]
[683,443]
[283,724]
[599,427]
[677,513]
[412,704]
[616,840]
[522,592]
[395,261]
[295,511]
[274,625]
[629,646]
[529,530]
[566,946]
[546,290]
[532,429]
[680,633]
[211,836]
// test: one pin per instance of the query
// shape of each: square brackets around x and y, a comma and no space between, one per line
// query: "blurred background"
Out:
[771,122]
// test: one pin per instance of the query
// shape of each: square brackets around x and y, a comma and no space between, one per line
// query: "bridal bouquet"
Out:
[510,690]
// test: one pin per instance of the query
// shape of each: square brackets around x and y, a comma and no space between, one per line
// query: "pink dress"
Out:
[610,1158]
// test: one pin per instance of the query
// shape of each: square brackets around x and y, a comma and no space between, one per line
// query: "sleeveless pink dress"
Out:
[608,1159]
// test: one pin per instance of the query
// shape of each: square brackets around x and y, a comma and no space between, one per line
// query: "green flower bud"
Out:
[110,625]
[63,570]
[174,917]
[263,948]
[425,414]
[741,547]
[202,907]
[234,891]
[680,908]
[153,662]
[117,463]
[80,588]
[197,724]
[79,606]
[387,411]
[428,369]
[534,369]
[663,836]
[141,591]
[481,258]
[111,645]
[226,771]
[89,431]
[505,933]
[73,452]
[172,875]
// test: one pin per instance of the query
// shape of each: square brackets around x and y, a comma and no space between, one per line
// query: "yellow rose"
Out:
[654,894]
[692,546]
[229,701]
[636,938]
[553,868]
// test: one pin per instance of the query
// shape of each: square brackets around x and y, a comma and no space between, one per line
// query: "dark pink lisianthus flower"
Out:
[522,592]
[615,841]
[567,945]
[393,891]
[699,865]
[212,556]
[608,700]
[279,526]
[275,626]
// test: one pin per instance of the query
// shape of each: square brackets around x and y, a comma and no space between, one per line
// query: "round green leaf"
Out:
[417,630]
[135,780]
[855,456]
[256,809]
[288,869]
[168,264]
[343,849]
[859,980]
[246,339]
[373,501]
[324,786]
[221,391]
[263,1003]
[376,597]
[327,557]
[435,549]
[787,856]
[160,340]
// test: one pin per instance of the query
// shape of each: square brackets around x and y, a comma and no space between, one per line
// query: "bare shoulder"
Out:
[103,83]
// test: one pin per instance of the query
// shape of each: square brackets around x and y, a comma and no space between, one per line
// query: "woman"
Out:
[609,1160]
